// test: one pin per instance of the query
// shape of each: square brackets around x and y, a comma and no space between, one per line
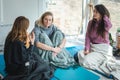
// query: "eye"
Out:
[50,19]
[45,18]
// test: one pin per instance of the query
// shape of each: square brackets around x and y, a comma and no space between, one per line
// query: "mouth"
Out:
[94,16]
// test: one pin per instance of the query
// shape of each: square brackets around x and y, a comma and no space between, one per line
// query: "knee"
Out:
[58,33]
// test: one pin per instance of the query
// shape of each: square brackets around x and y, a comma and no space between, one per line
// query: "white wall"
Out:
[10,9]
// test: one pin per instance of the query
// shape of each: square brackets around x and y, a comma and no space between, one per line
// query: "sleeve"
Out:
[16,56]
[87,38]
[21,53]
[107,23]
[37,31]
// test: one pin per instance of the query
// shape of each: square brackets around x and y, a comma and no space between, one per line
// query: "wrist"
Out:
[60,47]
[31,43]
[86,50]
[52,49]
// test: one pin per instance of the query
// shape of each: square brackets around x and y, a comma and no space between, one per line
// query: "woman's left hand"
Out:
[57,50]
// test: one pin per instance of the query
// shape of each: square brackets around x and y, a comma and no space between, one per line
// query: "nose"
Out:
[47,21]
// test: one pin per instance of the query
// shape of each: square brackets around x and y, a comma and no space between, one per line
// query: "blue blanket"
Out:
[74,73]
[2,65]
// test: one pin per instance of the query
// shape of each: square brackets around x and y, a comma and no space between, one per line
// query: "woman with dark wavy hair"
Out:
[97,44]
[98,28]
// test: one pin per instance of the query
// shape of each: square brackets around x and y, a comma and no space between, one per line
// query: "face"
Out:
[96,15]
[47,21]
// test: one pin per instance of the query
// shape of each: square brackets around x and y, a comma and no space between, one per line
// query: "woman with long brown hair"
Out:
[98,28]
[21,63]
[97,44]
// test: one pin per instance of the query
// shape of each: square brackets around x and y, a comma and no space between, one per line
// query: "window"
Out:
[67,15]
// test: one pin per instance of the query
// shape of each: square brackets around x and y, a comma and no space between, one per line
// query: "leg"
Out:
[44,54]
[57,38]
[76,57]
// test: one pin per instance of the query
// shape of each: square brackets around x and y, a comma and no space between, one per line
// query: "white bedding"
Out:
[101,59]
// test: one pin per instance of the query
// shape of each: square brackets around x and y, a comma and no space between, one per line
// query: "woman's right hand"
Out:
[32,38]
[86,52]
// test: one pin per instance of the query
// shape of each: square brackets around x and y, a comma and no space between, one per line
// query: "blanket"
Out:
[62,59]
[100,58]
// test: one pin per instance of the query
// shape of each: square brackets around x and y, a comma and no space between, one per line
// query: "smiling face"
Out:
[96,15]
[47,20]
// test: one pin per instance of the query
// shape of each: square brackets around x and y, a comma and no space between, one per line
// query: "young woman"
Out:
[50,42]
[97,44]
[21,63]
